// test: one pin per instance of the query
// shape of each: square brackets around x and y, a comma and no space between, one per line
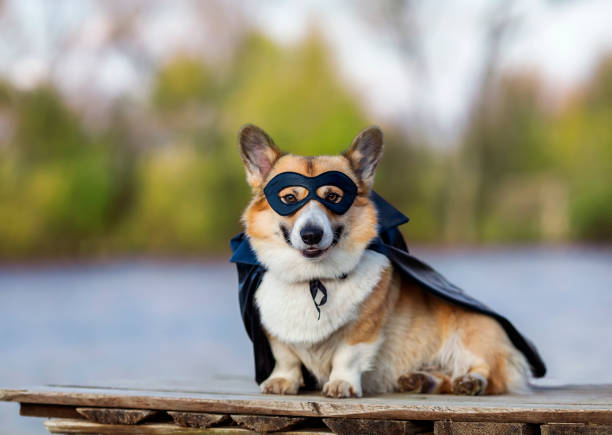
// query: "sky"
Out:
[560,40]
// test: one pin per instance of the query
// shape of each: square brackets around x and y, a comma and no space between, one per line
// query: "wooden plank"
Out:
[572,404]
[350,426]
[480,428]
[115,415]
[575,428]
[69,426]
[266,423]
[197,419]
[58,411]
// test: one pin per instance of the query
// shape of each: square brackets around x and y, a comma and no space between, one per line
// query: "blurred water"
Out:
[165,320]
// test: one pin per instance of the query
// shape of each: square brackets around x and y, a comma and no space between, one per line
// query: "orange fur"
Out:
[374,311]
[423,334]
[259,218]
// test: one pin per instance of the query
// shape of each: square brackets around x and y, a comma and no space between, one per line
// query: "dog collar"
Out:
[329,178]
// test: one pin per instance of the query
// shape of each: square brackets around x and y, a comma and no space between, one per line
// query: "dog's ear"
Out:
[365,153]
[258,153]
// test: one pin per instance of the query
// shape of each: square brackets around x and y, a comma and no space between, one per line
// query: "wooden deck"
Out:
[231,405]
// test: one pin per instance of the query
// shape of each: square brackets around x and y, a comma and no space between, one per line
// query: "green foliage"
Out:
[542,174]
[170,180]
[190,194]
[505,140]
[410,176]
[591,213]
[295,95]
[182,82]
[583,138]
[45,128]
[57,183]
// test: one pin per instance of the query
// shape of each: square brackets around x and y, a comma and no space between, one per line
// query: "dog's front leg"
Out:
[286,378]
[348,363]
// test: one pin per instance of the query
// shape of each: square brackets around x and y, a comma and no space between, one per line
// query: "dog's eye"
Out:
[332,197]
[289,198]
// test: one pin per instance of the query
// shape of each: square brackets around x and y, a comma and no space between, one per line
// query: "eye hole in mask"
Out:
[289,191]
[331,194]
[293,194]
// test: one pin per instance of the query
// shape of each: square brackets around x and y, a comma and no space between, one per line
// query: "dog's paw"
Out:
[340,389]
[471,384]
[418,382]
[279,386]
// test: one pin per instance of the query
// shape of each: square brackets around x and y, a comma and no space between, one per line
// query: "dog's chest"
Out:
[288,312]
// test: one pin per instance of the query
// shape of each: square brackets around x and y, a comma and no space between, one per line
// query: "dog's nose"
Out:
[311,235]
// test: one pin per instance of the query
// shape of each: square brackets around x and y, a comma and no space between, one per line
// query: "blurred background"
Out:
[120,183]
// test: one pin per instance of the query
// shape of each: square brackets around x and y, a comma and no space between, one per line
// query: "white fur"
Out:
[350,361]
[312,214]
[287,310]
[332,359]
[517,371]
[454,357]
[280,258]
[457,361]
[287,366]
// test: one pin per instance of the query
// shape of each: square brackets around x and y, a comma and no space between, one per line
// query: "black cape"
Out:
[389,242]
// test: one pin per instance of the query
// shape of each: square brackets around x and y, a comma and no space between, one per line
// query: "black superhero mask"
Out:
[329,178]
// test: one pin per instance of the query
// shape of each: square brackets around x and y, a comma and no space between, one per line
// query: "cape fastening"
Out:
[317,286]
[390,243]
[292,179]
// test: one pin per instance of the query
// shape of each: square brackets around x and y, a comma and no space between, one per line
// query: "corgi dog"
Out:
[311,218]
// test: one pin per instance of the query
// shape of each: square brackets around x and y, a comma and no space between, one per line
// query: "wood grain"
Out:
[266,423]
[350,426]
[197,419]
[69,426]
[479,428]
[570,404]
[59,411]
[575,429]
[115,415]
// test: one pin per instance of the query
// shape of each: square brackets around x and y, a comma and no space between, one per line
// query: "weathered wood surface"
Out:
[115,415]
[479,428]
[59,411]
[351,426]
[70,426]
[575,429]
[197,419]
[266,423]
[571,404]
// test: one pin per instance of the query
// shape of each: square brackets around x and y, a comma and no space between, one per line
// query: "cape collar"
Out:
[388,217]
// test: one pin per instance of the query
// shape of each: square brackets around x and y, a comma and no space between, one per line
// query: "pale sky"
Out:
[561,40]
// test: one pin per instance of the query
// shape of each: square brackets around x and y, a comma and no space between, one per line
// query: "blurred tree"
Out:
[57,181]
[294,94]
[411,177]
[46,129]
[583,145]
[183,82]
[165,176]
[505,140]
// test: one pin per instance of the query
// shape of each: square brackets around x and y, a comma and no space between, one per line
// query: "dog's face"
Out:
[312,241]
